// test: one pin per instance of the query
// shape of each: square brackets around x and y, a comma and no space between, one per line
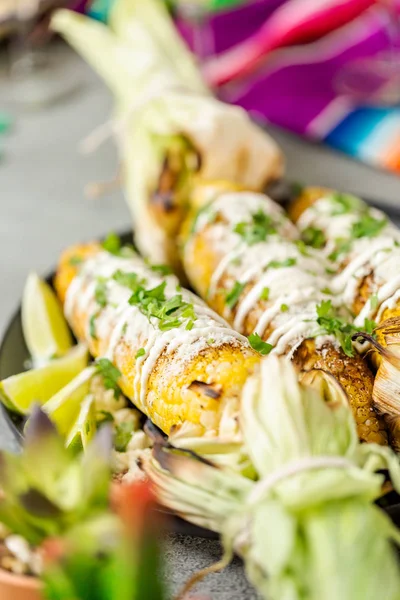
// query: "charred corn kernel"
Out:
[243,256]
[363,246]
[179,362]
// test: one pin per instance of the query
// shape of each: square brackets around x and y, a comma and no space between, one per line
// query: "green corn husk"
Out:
[159,98]
[308,529]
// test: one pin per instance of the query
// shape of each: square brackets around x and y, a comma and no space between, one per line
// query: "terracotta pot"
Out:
[19,587]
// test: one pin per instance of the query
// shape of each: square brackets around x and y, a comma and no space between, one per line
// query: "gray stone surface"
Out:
[43,209]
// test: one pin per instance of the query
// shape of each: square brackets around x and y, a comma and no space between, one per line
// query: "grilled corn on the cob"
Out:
[242,255]
[363,247]
[180,363]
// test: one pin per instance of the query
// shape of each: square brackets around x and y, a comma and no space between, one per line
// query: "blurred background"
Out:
[322,75]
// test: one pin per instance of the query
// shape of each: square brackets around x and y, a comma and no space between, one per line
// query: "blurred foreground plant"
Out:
[308,529]
[111,557]
[47,489]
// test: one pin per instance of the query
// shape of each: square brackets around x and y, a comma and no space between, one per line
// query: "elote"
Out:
[241,254]
[180,363]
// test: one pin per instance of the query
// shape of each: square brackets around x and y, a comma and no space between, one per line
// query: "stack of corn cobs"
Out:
[310,286]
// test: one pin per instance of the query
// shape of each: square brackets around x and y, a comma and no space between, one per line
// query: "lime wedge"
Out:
[45,329]
[85,425]
[63,408]
[19,392]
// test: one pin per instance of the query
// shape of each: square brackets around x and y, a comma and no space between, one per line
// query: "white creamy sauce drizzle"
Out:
[319,215]
[379,256]
[129,323]
[299,286]
[298,296]
[223,265]
[236,207]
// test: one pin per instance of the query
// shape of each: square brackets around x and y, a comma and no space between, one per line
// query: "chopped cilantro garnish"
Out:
[162,269]
[369,325]
[278,264]
[345,203]
[284,308]
[315,237]
[332,324]
[296,188]
[259,345]
[92,327]
[100,293]
[140,352]
[327,290]
[210,341]
[329,271]
[342,246]
[123,435]
[167,324]
[237,261]
[129,280]
[257,230]
[153,303]
[110,375]
[124,328]
[112,244]
[208,211]
[75,260]
[374,301]
[302,247]
[265,294]
[368,226]
[189,325]
[233,296]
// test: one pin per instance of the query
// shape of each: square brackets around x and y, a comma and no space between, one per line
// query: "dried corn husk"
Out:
[386,392]
[308,528]
[161,99]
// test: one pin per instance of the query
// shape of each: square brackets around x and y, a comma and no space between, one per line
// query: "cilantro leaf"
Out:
[123,435]
[296,188]
[259,345]
[314,237]
[167,324]
[278,264]
[75,260]
[342,246]
[369,326]
[140,352]
[345,203]
[162,269]
[264,294]
[129,280]
[112,244]
[374,301]
[368,226]
[302,247]
[100,293]
[153,303]
[260,227]
[233,296]
[284,308]
[110,375]
[332,324]
[92,326]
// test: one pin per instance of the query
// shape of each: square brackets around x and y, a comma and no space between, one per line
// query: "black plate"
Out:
[13,359]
